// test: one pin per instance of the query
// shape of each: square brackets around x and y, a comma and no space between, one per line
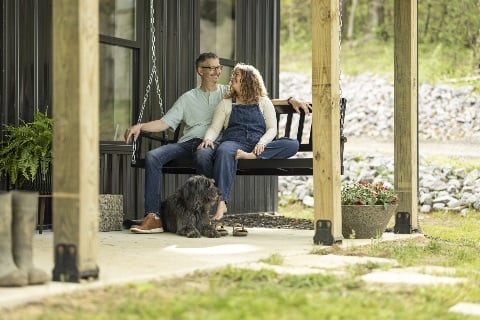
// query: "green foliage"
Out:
[439,62]
[295,29]
[27,149]
[274,259]
[453,23]
[448,38]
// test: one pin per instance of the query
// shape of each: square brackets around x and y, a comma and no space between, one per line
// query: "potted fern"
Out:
[26,151]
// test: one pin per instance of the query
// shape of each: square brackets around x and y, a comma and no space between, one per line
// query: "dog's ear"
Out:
[191,192]
[206,182]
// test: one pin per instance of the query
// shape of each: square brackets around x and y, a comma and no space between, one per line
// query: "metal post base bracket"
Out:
[402,223]
[323,233]
[65,269]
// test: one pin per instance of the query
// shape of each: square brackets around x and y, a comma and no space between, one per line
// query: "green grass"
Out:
[468,164]
[296,209]
[436,63]
[235,293]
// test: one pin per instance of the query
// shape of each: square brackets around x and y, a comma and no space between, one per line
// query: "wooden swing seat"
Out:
[289,124]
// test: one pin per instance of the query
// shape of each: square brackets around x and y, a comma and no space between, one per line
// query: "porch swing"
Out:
[294,125]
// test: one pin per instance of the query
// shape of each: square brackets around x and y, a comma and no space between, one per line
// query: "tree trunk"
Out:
[377,13]
[427,21]
[351,19]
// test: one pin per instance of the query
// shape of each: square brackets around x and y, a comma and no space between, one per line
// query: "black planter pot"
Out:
[42,185]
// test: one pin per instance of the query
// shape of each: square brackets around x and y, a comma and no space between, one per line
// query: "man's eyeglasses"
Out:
[213,68]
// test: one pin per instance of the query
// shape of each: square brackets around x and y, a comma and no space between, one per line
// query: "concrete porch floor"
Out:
[125,257]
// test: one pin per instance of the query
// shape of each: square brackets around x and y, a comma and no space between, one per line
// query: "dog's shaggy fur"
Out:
[186,211]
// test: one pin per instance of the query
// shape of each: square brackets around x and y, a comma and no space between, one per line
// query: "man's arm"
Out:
[152,126]
[296,104]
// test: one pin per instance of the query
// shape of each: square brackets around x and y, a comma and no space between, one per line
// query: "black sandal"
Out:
[221,229]
[239,230]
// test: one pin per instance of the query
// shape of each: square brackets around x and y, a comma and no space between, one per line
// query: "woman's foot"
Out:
[221,210]
[240,154]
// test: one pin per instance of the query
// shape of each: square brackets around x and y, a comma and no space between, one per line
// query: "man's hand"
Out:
[297,105]
[133,132]
[206,144]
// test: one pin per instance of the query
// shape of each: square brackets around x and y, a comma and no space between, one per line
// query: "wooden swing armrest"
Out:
[138,160]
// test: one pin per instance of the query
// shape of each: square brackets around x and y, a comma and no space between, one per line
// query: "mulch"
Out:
[265,220]
[254,220]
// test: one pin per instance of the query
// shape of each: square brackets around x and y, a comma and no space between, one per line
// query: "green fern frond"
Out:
[27,149]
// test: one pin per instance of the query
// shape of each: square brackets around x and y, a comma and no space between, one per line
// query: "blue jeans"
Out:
[225,165]
[157,158]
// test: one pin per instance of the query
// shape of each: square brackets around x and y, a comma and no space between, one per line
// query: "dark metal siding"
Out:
[26,59]
[257,44]
[258,38]
[117,177]
[26,82]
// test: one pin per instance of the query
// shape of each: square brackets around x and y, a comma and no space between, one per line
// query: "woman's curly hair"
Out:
[251,84]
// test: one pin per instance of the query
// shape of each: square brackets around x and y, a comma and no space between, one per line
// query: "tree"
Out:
[351,19]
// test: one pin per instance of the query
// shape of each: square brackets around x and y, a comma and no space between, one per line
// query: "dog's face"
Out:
[200,191]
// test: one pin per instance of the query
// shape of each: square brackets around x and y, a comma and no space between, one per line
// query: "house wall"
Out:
[26,83]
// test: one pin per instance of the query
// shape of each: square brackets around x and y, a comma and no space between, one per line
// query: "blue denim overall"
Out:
[245,128]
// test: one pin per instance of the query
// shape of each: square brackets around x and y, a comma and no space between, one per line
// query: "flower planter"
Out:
[366,221]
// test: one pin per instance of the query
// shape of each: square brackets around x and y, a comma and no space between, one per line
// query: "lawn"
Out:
[437,64]
[452,241]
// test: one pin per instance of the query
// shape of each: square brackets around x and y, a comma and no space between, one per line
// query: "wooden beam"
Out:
[75,143]
[405,105]
[326,118]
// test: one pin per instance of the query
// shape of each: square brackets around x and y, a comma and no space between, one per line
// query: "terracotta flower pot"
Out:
[365,221]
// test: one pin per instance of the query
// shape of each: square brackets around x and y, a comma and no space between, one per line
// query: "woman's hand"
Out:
[258,149]
[207,143]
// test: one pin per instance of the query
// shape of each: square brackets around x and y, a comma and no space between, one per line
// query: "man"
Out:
[195,108]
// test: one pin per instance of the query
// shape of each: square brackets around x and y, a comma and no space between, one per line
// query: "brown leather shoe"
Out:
[150,224]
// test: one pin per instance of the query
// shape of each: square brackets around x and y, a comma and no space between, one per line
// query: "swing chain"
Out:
[153,72]
[340,23]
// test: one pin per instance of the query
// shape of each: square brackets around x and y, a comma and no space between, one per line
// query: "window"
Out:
[116,100]
[217,32]
[117,19]
[118,56]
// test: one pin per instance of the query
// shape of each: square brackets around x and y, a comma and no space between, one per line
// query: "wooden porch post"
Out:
[326,115]
[75,142]
[405,114]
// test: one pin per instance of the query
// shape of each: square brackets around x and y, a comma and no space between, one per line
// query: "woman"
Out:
[247,118]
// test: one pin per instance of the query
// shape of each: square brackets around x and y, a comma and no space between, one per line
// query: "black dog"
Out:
[186,211]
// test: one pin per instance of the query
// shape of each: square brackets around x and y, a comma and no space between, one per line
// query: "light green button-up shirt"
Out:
[195,108]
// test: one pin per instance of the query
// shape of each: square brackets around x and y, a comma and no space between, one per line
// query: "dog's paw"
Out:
[189,232]
[210,232]
[193,233]
[213,234]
